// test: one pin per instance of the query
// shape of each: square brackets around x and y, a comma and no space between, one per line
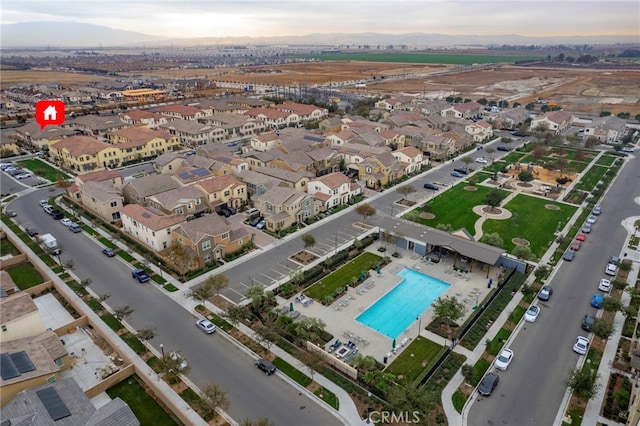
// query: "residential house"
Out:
[141,142]
[237,165]
[479,131]
[235,125]
[462,139]
[431,107]
[110,177]
[305,113]
[184,112]
[140,117]
[246,102]
[325,160]
[379,170]
[607,129]
[137,190]
[168,163]
[438,148]
[257,183]
[272,118]
[223,190]
[363,124]
[190,174]
[510,118]
[555,121]
[261,158]
[353,154]
[33,136]
[332,124]
[411,159]
[397,103]
[341,138]
[332,190]
[265,142]
[208,238]
[393,138]
[187,200]
[19,317]
[102,199]
[95,125]
[30,362]
[463,110]
[369,138]
[283,207]
[295,180]
[48,401]
[8,146]
[193,133]
[85,153]
[299,162]
[150,226]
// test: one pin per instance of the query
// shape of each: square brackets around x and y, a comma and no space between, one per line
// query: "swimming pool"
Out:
[400,307]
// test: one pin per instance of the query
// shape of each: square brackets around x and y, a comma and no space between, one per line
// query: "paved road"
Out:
[531,391]
[212,358]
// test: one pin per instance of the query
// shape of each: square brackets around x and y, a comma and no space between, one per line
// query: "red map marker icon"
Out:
[49,112]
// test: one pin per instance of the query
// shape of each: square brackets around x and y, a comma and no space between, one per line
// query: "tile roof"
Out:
[177,197]
[255,178]
[269,113]
[16,306]
[281,195]
[285,175]
[184,110]
[410,151]
[98,176]
[166,158]
[332,180]
[151,218]
[141,134]
[98,122]
[219,183]
[188,126]
[300,109]
[152,184]
[101,191]
[82,145]
[467,106]
[199,228]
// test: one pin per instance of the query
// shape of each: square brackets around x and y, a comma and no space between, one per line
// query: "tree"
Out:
[591,142]
[379,379]
[467,160]
[583,382]
[405,190]
[494,198]
[611,304]
[267,332]
[493,239]
[363,362]
[313,361]
[446,227]
[211,398]
[525,176]
[218,282]
[235,314]
[202,293]
[170,366]
[365,210]
[122,312]
[257,422]
[603,328]
[490,151]
[522,252]
[467,372]
[448,309]
[308,240]
[86,282]
[408,398]
[146,334]
[179,257]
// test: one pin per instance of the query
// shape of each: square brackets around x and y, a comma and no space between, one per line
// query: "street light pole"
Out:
[160,268]
[162,349]
[335,235]
[419,319]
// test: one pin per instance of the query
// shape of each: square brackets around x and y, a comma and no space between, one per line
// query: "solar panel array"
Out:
[15,364]
[54,405]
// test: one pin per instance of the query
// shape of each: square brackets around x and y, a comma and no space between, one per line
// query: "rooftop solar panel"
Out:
[53,403]
[200,172]
[8,369]
[184,175]
[147,215]
[313,138]
[22,362]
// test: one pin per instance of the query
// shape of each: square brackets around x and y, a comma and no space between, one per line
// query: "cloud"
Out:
[216,18]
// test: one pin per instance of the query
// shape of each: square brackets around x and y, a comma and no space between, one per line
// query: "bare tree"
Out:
[146,334]
[405,190]
[201,293]
[212,398]
[122,312]
[308,240]
[365,210]
[217,282]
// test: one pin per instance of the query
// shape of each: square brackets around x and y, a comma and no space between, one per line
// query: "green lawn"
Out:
[498,341]
[342,276]
[292,372]
[146,409]
[454,207]
[25,276]
[591,178]
[531,221]
[40,168]
[458,400]
[6,248]
[414,359]
[329,397]
[479,368]
[606,160]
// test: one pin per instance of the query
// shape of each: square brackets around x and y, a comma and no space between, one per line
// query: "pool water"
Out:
[399,308]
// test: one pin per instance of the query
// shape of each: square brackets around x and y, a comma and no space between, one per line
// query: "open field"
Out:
[429,58]
[10,77]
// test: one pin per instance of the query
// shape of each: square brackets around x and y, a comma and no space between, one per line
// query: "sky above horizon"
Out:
[266,18]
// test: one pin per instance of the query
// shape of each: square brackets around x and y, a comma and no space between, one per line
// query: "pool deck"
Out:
[340,316]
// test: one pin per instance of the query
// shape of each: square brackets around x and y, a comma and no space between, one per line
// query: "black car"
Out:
[587,322]
[545,293]
[462,170]
[224,211]
[488,384]
[57,214]
[432,186]
[31,231]
[256,220]
[266,366]
[503,148]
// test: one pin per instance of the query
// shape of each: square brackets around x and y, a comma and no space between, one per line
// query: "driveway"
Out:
[259,238]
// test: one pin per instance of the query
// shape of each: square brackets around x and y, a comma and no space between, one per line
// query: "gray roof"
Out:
[98,122]
[28,409]
[475,250]
[281,195]
[100,190]
[257,179]
[179,196]
[152,184]
[284,175]
[166,158]
[188,126]
[199,228]
[49,132]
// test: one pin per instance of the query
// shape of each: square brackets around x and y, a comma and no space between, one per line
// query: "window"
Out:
[368,169]
[198,202]
[59,362]
[179,211]
[51,379]
[206,245]
[4,328]
[168,231]
[225,235]
[164,245]
[114,204]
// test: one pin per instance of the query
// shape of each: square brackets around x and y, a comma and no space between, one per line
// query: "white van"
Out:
[252,212]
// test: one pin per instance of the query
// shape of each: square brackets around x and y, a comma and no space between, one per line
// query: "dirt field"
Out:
[589,91]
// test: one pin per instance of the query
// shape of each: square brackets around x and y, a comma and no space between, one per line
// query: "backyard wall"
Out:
[333,361]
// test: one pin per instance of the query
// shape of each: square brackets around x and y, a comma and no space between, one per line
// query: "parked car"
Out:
[481,160]
[587,322]
[605,285]
[22,175]
[596,211]
[614,259]
[256,220]
[596,301]
[545,293]
[461,170]
[581,236]
[627,149]
[66,222]
[109,252]
[10,213]
[252,211]
[611,269]
[488,384]
[224,211]
[504,359]
[43,203]
[575,246]
[532,313]
[456,174]
[581,346]
[431,186]
[266,366]
[140,275]
[503,148]
[261,224]
[592,219]
[586,228]
[32,232]
[206,326]
[569,255]
[57,214]
[75,228]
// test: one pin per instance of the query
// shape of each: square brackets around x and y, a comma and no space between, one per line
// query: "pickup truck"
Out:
[140,275]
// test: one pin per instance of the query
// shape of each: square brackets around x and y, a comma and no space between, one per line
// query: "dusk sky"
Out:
[255,18]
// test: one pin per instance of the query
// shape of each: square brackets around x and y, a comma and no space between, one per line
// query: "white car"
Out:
[581,346]
[611,269]
[504,359]
[206,326]
[532,313]
[66,222]
[43,203]
[176,356]
[592,219]
[481,160]
[605,285]
[23,175]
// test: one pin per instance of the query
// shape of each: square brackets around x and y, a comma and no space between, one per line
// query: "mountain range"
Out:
[79,35]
